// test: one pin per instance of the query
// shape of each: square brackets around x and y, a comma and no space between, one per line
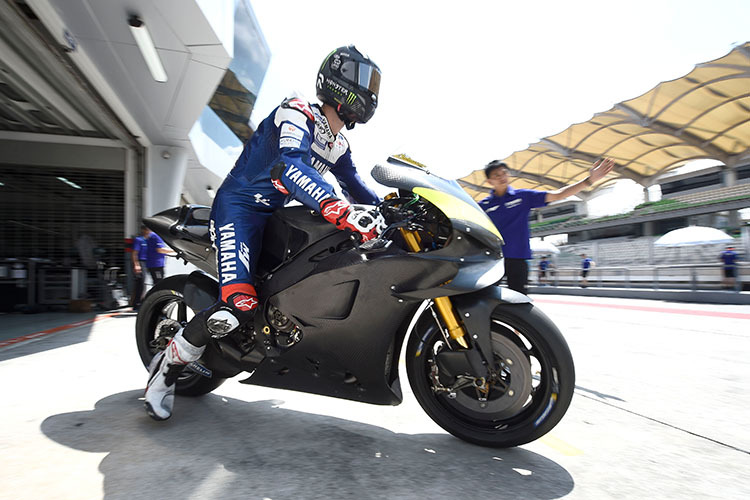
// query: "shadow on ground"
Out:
[599,394]
[20,325]
[217,447]
[77,335]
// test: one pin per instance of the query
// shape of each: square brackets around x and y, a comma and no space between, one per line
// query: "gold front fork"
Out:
[443,304]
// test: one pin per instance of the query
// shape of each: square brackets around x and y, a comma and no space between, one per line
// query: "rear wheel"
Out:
[529,392]
[161,315]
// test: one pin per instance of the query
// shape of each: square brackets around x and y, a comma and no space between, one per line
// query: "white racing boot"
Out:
[163,372]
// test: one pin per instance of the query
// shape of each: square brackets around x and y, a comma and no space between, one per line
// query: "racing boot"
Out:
[163,372]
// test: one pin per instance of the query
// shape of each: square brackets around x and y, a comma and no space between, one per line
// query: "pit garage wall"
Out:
[165,175]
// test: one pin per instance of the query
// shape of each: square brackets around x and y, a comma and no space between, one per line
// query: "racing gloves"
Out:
[366,221]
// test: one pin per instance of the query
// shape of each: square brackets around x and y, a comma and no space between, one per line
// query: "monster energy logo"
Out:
[351,98]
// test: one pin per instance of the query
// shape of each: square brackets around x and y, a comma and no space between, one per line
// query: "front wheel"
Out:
[530,389]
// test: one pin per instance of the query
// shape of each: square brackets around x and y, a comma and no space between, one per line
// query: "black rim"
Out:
[168,314]
[542,381]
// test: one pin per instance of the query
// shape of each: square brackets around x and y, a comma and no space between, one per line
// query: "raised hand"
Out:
[600,168]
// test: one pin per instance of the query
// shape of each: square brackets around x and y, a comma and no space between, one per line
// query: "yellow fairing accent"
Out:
[454,208]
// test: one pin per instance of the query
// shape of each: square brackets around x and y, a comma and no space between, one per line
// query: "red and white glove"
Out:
[366,221]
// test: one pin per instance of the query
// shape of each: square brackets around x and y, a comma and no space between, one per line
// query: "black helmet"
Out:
[349,81]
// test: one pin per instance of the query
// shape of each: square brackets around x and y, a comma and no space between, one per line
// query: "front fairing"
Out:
[474,249]
[465,215]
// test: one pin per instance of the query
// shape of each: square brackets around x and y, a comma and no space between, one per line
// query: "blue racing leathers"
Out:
[285,158]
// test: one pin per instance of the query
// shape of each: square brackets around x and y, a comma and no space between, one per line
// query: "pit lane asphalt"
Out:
[661,410]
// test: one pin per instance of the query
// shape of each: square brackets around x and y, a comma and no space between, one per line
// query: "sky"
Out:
[468,82]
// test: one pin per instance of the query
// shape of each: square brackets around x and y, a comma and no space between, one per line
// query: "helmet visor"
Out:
[363,74]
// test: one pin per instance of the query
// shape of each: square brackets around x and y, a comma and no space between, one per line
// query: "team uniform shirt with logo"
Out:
[140,248]
[154,259]
[510,213]
[285,159]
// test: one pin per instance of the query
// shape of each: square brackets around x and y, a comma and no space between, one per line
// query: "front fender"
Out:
[475,310]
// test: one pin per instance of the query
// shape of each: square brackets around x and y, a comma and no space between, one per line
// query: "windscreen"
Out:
[447,195]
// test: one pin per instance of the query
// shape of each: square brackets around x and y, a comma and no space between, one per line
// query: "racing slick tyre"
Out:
[162,313]
[530,390]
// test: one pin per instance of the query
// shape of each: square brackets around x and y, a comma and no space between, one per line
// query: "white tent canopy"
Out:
[693,235]
[540,246]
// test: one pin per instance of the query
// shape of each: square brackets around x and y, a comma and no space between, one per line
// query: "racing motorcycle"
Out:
[483,361]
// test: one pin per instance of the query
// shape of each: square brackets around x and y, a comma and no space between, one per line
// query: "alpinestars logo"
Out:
[335,210]
[279,186]
[228,255]
[245,302]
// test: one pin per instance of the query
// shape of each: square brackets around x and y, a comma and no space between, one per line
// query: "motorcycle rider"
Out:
[285,158]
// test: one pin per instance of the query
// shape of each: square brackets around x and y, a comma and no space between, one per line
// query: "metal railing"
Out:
[661,277]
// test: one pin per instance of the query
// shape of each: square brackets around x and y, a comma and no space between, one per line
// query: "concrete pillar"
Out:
[596,252]
[651,240]
[133,190]
[582,208]
[648,228]
[730,176]
[646,195]
[165,173]
[733,219]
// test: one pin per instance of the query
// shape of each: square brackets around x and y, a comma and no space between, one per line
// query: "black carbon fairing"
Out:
[185,229]
[344,310]
[352,328]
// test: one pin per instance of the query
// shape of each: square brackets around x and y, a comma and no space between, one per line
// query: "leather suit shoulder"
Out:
[300,105]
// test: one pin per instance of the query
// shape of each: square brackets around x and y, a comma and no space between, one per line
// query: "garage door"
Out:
[58,219]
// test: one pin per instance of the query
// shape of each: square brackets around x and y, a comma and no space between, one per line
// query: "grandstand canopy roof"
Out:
[703,115]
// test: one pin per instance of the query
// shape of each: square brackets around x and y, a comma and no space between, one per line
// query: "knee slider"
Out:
[221,322]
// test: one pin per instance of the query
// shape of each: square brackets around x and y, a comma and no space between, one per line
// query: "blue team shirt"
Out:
[147,250]
[586,263]
[139,247]
[510,213]
[729,257]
